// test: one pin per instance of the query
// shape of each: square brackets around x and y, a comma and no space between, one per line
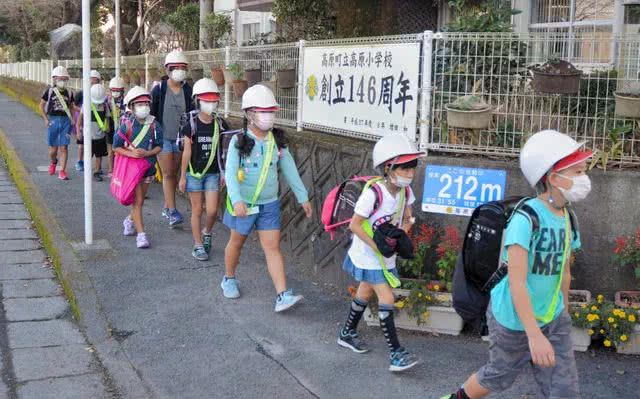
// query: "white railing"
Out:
[492,65]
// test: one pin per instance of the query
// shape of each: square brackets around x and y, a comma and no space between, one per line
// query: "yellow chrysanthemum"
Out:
[428,297]
[611,320]
[576,314]
[600,298]
[594,308]
[622,315]
[601,331]
[419,294]
[399,304]
[590,331]
[436,288]
[607,343]
[583,306]
[623,338]
[425,315]
[632,318]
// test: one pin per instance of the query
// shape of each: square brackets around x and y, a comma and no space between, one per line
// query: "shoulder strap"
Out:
[533,216]
[65,107]
[46,105]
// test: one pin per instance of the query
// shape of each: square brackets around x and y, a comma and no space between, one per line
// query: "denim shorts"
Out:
[169,146]
[59,130]
[209,183]
[366,275]
[267,219]
[509,354]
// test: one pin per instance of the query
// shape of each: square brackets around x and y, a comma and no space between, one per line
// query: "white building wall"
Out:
[241,18]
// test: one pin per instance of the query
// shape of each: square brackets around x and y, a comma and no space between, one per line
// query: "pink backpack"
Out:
[127,173]
[339,205]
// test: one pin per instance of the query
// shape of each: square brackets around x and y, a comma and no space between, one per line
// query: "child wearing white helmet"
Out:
[94,79]
[396,158]
[101,127]
[116,109]
[254,159]
[200,171]
[171,100]
[528,319]
[56,108]
[139,136]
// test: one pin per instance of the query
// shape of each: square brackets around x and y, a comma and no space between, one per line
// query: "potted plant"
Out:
[253,74]
[286,76]
[582,325]
[469,112]
[556,76]
[228,74]
[239,85]
[217,74]
[628,101]
[627,254]
[578,297]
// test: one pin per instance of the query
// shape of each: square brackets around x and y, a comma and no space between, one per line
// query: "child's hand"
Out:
[542,353]
[137,153]
[308,210]
[182,185]
[46,122]
[240,209]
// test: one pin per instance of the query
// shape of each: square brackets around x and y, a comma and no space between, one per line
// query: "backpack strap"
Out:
[46,104]
[532,215]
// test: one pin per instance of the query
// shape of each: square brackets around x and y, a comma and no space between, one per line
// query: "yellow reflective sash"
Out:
[115,114]
[212,154]
[65,107]
[101,124]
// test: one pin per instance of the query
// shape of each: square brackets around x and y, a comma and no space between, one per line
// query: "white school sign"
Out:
[368,89]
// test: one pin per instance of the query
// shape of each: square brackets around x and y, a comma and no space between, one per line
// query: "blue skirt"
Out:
[366,275]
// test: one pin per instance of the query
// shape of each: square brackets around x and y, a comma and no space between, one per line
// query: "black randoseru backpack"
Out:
[479,267]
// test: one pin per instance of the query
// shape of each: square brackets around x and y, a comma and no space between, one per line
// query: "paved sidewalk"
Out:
[44,354]
[186,341]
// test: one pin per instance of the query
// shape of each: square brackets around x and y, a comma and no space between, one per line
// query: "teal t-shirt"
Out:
[546,250]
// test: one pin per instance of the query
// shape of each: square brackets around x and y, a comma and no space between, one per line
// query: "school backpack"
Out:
[479,268]
[339,205]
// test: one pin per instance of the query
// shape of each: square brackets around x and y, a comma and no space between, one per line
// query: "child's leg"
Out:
[232,253]
[211,199]
[196,215]
[358,305]
[53,154]
[63,157]
[472,389]
[80,152]
[385,313]
[110,156]
[136,209]
[98,162]
[270,241]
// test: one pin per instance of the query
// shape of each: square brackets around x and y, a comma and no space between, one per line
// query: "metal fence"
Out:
[494,66]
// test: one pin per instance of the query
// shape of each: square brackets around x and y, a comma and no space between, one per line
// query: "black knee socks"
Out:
[355,314]
[388,326]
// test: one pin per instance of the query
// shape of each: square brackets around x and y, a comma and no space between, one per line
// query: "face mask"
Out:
[178,75]
[579,190]
[208,108]
[116,94]
[142,111]
[60,84]
[401,182]
[264,120]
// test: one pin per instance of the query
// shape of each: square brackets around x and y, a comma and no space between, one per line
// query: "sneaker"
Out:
[165,213]
[230,288]
[206,242]
[402,360]
[175,218]
[52,168]
[97,177]
[142,241]
[63,175]
[80,166]
[286,300]
[450,396]
[109,175]
[352,342]
[129,228]
[199,253]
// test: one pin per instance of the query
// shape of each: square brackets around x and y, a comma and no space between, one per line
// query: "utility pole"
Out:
[117,51]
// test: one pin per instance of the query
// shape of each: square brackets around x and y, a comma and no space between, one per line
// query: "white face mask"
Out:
[208,108]
[142,111]
[264,120]
[116,94]
[178,75]
[579,190]
[400,181]
[61,84]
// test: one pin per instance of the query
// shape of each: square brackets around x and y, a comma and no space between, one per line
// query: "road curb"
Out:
[74,279]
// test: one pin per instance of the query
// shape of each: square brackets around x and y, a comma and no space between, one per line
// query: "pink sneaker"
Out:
[63,175]
[129,228]
[52,169]
[142,241]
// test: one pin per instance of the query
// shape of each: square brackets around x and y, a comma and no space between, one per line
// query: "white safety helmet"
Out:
[116,83]
[95,74]
[206,89]
[259,96]
[396,148]
[175,58]
[98,94]
[136,93]
[542,151]
[59,72]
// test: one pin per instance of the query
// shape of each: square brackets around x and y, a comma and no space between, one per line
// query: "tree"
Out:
[303,19]
[183,21]
[217,28]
